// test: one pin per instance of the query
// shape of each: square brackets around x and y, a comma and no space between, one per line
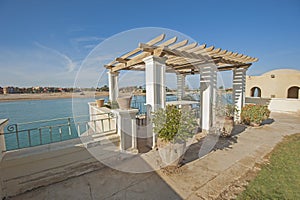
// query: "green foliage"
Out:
[112,105]
[173,124]
[254,114]
[280,179]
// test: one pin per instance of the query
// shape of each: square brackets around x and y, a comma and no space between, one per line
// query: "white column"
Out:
[113,85]
[180,86]
[208,82]
[239,79]
[155,82]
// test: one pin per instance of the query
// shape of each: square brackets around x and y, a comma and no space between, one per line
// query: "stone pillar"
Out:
[3,123]
[126,127]
[239,82]
[113,84]
[180,86]
[208,86]
[155,82]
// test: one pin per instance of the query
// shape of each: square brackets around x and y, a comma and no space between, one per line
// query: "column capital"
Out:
[161,60]
[113,73]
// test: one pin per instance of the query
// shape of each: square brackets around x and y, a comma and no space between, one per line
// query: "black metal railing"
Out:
[42,132]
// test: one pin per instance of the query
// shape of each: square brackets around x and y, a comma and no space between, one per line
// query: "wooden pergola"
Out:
[159,56]
[180,56]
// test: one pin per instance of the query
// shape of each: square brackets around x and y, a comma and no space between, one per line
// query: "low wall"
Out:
[25,169]
[284,105]
[98,114]
[257,100]
[3,123]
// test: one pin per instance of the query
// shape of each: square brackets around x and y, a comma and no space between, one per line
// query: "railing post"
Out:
[69,126]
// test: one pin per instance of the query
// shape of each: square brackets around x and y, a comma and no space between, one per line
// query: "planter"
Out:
[124,102]
[254,124]
[227,126]
[100,103]
[171,154]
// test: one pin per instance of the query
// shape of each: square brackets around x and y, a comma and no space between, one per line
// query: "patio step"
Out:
[102,139]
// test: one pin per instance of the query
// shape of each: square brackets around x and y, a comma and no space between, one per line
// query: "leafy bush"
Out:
[173,124]
[254,114]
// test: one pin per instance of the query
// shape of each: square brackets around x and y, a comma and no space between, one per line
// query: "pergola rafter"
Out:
[180,56]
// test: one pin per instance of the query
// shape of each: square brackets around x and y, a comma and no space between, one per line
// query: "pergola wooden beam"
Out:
[180,55]
[151,42]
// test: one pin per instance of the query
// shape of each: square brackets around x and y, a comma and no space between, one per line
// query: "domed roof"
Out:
[283,71]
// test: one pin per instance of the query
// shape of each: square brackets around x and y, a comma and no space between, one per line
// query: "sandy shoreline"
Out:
[47,96]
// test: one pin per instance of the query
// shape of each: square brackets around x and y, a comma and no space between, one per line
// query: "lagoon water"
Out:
[19,112]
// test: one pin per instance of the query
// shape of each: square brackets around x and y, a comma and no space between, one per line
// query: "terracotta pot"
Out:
[100,103]
[124,102]
[254,124]
[228,126]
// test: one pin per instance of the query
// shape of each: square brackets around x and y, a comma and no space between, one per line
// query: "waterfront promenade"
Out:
[205,178]
[47,96]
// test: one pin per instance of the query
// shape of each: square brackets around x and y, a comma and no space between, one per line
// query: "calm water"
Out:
[19,112]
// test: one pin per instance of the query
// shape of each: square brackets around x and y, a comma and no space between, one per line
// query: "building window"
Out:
[293,92]
[255,92]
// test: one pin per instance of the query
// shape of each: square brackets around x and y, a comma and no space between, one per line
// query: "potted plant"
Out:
[228,125]
[173,127]
[100,103]
[254,115]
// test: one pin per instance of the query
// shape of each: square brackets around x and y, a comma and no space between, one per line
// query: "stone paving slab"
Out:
[203,178]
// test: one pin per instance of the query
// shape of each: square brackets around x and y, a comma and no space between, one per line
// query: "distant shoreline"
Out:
[49,96]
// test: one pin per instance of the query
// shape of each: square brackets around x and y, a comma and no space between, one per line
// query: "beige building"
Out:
[281,83]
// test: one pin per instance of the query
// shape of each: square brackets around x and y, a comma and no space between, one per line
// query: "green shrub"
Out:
[254,114]
[173,124]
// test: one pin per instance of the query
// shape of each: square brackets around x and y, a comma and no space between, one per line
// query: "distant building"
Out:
[281,83]
[8,90]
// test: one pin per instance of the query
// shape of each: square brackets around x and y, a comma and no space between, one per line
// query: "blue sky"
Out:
[45,42]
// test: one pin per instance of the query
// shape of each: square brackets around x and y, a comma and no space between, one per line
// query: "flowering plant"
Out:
[256,114]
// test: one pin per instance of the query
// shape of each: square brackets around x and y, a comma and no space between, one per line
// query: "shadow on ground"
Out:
[212,143]
[268,121]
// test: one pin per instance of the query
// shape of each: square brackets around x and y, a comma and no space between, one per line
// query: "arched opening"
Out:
[293,92]
[255,92]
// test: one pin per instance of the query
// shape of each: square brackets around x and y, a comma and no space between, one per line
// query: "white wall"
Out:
[284,105]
